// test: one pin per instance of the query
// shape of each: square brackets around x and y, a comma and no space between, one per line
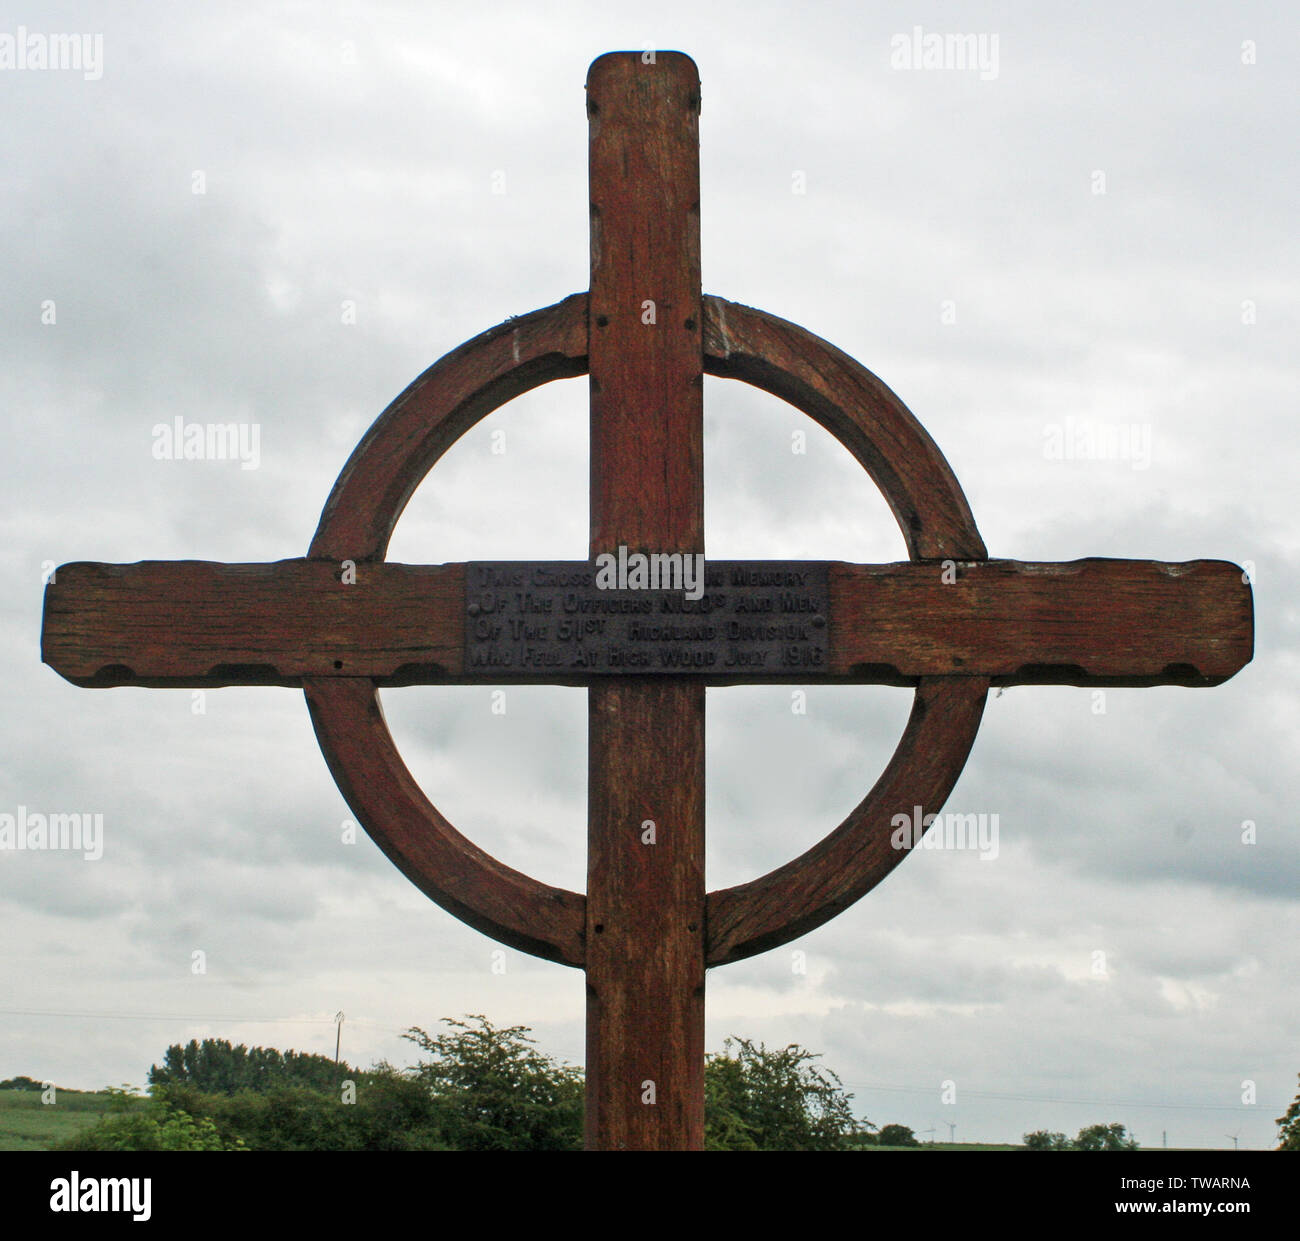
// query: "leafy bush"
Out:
[1042,1140]
[1288,1135]
[896,1135]
[156,1127]
[1104,1138]
[480,1087]
[495,1091]
[384,1111]
[758,1099]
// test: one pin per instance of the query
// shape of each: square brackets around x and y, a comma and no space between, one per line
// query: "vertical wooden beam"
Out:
[645,901]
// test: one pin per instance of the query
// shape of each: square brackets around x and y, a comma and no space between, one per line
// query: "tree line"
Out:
[477,1086]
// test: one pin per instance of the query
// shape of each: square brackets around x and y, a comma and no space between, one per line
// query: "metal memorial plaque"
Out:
[752,619]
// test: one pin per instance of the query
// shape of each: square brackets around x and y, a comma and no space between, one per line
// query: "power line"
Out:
[213,1017]
[1030,1098]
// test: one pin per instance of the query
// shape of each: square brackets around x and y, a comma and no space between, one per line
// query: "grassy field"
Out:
[27,1124]
[946,1146]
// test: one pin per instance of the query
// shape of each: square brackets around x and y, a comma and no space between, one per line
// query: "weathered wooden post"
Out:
[949,621]
[645,902]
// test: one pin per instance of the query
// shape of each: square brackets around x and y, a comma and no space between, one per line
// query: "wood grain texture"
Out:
[197,623]
[1084,622]
[645,902]
[1081,622]
[645,916]
[646,326]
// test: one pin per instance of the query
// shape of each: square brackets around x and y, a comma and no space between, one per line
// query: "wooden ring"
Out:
[358,519]
[464,387]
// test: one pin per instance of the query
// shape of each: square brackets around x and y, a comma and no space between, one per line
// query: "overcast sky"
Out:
[1091,228]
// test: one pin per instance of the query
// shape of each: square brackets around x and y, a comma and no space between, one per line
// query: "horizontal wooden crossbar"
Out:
[1090,622]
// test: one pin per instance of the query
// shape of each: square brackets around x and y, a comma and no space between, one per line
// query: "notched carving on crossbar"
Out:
[1096,622]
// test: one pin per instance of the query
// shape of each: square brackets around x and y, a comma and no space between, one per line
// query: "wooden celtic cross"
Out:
[343,622]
